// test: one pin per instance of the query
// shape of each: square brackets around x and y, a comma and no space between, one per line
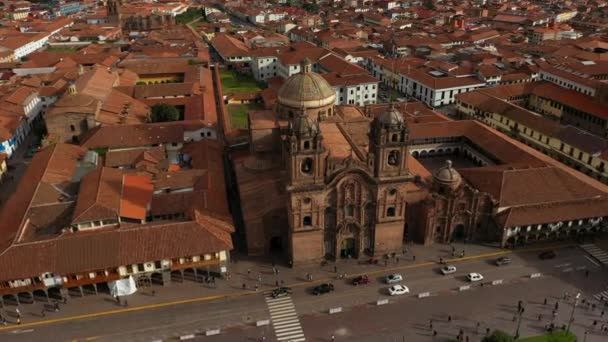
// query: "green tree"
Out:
[429,4]
[311,7]
[163,112]
[498,336]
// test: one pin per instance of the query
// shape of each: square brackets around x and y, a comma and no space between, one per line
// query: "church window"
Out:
[307,221]
[349,210]
[72,128]
[307,200]
[306,166]
[390,211]
[392,192]
[307,145]
[393,158]
[395,138]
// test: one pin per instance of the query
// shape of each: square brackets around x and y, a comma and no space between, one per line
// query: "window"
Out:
[72,128]
[306,166]
[393,158]
[140,267]
[395,138]
[307,145]
[307,221]
[157,264]
[390,211]
[392,192]
[349,210]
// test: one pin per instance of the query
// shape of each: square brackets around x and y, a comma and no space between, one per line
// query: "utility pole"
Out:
[578,295]
[520,313]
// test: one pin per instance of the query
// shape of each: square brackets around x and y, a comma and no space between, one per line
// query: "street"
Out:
[361,319]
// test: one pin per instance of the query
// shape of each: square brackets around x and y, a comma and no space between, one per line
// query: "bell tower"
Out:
[389,143]
[304,152]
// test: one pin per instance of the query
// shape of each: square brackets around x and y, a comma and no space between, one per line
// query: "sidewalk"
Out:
[189,291]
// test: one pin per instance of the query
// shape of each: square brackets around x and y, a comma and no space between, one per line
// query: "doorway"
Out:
[347,248]
[458,234]
[276,245]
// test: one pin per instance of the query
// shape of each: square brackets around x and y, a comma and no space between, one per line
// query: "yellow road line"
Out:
[245,293]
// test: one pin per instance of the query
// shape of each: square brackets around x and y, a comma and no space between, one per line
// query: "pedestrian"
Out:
[244,286]
[65,300]
[276,283]
[18,320]
[56,307]
[594,324]
[335,269]
[256,287]
[248,272]
[556,306]
[18,312]
[290,263]
[440,260]
[545,302]
[602,313]
[117,300]
[519,305]
[260,278]
[397,259]
[434,332]
[126,303]
[431,324]
[333,338]
[413,258]
[477,328]
[540,317]
[449,318]
[277,271]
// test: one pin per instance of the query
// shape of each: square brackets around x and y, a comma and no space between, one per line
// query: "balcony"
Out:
[15,290]
[87,281]
[192,264]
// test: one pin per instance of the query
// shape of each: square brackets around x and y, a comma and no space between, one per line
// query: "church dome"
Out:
[306,89]
[448,176]
[391,117]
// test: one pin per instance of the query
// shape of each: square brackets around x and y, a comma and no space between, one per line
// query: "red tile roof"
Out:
[136,196]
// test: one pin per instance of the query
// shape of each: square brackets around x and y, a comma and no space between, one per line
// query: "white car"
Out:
[393,278]
[449,269]
[397,290]
[474,277]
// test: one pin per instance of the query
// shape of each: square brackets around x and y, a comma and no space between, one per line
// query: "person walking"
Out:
[413,257]
[477,328]
[56,307]
[545,302]
[556,306]
[18,312]
[249,272]
[43,312]
[335,269]
[431,324]
[18,320]
[333,338]
[449,318]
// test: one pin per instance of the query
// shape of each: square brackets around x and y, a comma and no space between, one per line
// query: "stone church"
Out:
[322,181]
[340,199]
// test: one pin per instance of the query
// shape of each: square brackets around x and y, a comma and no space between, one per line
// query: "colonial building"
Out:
[326,181]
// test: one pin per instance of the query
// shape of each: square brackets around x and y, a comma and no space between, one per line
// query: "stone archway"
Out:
[349,242]
[458,233]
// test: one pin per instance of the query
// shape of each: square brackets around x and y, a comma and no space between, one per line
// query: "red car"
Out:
[361,280]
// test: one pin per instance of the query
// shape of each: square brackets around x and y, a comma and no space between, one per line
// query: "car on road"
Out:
[361,280]
[448,269]
[550,254]
[281,292]
[503,261]
[474,277]
[397,290]
[322,289]
[393,278]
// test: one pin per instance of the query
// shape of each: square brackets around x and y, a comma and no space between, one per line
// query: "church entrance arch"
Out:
[348,248]
[458,233]
[276,245]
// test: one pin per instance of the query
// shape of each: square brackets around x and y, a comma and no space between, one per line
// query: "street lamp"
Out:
[578,295]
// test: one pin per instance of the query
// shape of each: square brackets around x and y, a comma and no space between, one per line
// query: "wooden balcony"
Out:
[87,281]
[15,290]
[198,264]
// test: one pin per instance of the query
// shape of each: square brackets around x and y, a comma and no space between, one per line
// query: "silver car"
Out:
[448,269]
[393,278]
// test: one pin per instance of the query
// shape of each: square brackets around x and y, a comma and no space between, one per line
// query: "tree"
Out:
[311,7]
[163,112]
[429,4]
[498,336]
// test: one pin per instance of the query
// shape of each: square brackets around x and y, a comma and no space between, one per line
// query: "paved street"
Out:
[165,315]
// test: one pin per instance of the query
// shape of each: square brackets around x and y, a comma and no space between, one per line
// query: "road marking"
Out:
[248,292]
[592,261]
[284,319]
[25,331]
[563,265]
[569,269]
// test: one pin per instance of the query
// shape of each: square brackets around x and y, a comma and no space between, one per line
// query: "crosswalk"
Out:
[284,319]
[596,252]
[602,296]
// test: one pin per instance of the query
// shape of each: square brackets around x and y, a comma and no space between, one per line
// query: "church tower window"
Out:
[307,166]
[393,158]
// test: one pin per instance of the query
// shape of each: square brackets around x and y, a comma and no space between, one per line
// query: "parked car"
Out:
[281,292]
[393,278]
[474,277]
[361,280]
[397,290]
[448,269]
[547,255]
[503,261]
[322,289]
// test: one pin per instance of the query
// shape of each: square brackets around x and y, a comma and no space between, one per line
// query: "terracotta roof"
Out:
[134,135]
[99,196]
[571,98]
[512,186]
[136,196]
[229,46]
